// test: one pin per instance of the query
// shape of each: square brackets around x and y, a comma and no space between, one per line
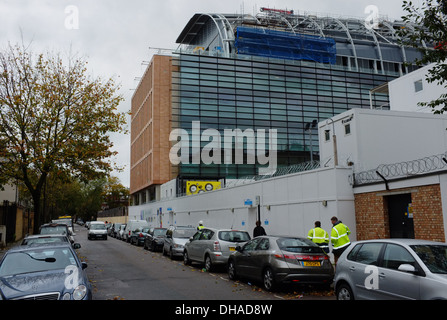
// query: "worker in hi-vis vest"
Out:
[319,236]
[339,238]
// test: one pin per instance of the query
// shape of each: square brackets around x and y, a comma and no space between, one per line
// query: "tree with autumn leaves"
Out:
[54,119]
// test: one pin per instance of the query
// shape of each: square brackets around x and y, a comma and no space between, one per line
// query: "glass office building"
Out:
[277,71]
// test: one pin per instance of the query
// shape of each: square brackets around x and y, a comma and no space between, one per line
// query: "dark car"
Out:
[154,239]
[280,260]
[137,236]
[43,272]
[56,228]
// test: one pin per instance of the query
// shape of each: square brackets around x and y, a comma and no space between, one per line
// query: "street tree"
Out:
[426,30]
[54,119]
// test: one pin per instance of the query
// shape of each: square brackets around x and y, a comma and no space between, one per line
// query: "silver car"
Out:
[280,260]
[175,239]
[213,246]
[392,269]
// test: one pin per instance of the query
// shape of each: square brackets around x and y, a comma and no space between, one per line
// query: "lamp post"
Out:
[309,126]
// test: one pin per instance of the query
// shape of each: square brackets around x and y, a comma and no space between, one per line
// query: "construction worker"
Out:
[200,226]
[339,238]
[319,236]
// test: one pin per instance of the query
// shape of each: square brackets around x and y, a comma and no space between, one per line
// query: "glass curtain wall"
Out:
[265,93]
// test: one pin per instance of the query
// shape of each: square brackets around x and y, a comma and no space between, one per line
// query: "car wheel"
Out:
[344,292]
[208,263]
[232,270]
[268,279]
[186,260]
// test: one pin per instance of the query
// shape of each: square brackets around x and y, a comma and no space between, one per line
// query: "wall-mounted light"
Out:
[324,203]
[268,207]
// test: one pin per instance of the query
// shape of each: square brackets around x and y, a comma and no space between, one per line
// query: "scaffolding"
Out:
[284,45]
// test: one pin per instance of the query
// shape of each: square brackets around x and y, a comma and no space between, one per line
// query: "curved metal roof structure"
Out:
[211,32]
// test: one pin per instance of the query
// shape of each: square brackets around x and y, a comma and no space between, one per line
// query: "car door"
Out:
[244,263]
[205,243]
[193,246]
[363,270]
[260,256]
[396,284]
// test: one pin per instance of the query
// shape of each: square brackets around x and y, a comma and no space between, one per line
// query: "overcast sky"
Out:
[115,35]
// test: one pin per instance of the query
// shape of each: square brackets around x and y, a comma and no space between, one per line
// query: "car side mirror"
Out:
[83,265]
[407,268]
[76,246]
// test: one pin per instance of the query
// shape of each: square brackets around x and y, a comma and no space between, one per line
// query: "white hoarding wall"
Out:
[288,205]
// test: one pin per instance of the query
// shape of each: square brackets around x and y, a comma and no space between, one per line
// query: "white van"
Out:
[132,225]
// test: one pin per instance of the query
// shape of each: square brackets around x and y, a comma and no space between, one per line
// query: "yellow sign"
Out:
[195,187]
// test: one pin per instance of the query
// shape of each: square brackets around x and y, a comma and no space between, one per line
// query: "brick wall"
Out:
[151,126]
[372,220]
[428,221]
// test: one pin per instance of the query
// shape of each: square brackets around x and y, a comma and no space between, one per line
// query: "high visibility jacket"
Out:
[200,227]
[318,235]
[340,236]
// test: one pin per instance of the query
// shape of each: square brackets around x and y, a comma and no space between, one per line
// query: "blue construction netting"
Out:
[284,45]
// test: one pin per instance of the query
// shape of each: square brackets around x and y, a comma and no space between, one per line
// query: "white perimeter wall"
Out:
[289,205]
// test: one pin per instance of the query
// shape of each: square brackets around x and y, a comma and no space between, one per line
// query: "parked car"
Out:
[97,230]
[392,269]
[275,260]
[48,238]
[213,246]
[68,222]
[154,239]
[175,239]
[56,228]
[114,229]
[132,225]
[137,236]
[39,272]
[121,230]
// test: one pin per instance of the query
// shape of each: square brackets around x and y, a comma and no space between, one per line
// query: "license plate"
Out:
[232,249]
[311,263]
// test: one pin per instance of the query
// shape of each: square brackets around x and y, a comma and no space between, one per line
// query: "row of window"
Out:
[342,63]
[194,76]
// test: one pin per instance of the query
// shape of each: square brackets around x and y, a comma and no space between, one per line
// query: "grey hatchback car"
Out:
[388,269]
[275,260]
[213,246]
